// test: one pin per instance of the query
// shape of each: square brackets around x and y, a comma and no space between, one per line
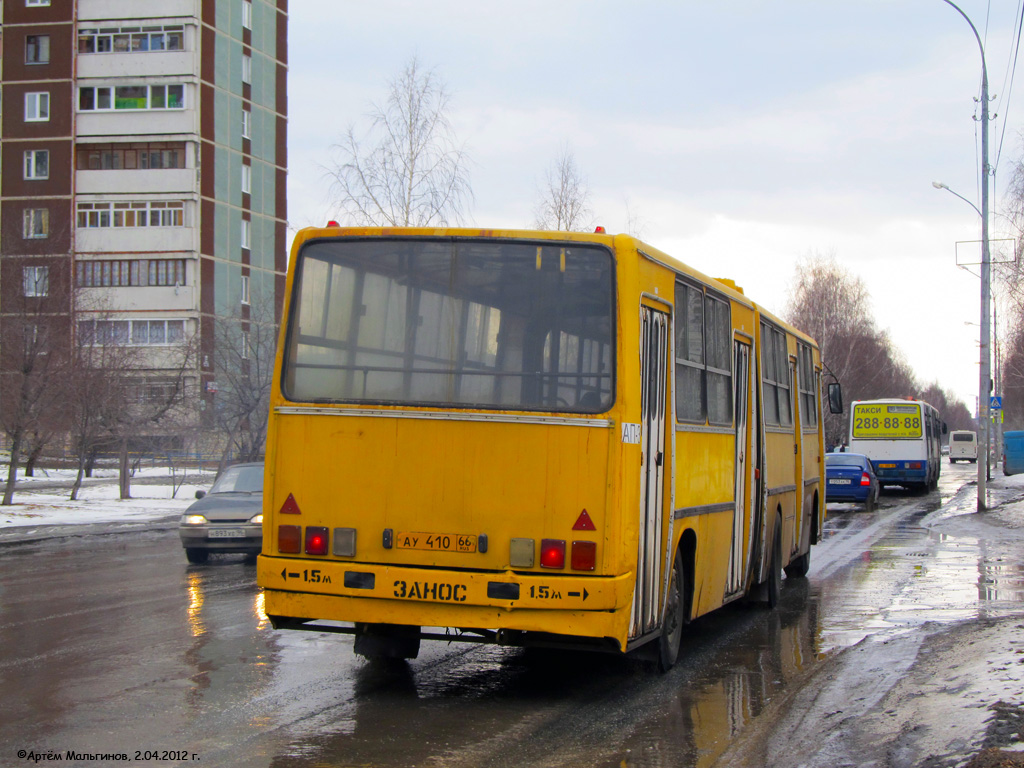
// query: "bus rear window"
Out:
[452,323]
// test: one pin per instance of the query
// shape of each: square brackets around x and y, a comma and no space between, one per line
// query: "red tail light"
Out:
[316,540]
[865,479]
[552,553]
[584,555]
[289,539]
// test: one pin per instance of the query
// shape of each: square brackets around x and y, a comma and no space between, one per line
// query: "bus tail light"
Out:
[289,539]
[865,478]
[914,465]
[316,540]
[552,553]
[584,555]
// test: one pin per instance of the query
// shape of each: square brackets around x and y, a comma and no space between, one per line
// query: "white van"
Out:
[963,446]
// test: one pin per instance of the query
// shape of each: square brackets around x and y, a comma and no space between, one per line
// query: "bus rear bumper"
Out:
[377,594]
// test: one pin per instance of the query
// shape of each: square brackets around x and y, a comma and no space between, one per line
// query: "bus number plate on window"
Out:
[436,542]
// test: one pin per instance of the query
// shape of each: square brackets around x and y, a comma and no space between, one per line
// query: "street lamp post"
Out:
[984,376]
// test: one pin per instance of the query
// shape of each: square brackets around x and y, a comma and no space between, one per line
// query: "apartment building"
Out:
[142,173]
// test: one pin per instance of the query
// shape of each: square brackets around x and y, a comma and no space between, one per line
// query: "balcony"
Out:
[150,123]
[137,240]
[104,10]
[152,299]
[181,181]
[136,65]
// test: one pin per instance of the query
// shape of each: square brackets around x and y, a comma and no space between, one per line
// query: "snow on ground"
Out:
[152,490]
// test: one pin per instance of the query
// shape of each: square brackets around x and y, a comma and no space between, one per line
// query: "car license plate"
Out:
[437,542]
[226,533]
[838,481]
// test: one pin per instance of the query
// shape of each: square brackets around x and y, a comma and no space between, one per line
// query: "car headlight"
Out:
[257,519]
[193,520]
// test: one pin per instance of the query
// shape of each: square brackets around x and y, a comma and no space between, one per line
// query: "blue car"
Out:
[849,477]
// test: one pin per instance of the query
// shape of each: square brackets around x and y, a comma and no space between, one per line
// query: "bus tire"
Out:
[387,641]
[672,627]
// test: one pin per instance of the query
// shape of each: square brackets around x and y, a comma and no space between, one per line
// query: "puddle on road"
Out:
[496,707]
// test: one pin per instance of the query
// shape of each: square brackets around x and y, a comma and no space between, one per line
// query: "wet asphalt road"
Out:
[113,644]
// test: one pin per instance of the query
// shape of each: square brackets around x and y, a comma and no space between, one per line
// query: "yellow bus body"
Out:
[392,476]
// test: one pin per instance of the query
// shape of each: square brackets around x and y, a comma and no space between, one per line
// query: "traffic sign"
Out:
[995,403]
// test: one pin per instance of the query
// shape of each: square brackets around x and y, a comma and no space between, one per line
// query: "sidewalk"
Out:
[42,510]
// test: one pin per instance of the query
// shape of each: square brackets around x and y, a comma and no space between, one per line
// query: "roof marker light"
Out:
[333,223]
[599,230]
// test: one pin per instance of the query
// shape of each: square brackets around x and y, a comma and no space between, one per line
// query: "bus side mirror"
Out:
[835,398]
[945,429]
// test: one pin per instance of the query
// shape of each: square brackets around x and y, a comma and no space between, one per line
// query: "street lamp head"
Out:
[939,185]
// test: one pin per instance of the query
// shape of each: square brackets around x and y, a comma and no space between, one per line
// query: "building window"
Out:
[246,69]
[132,333]
[134,97]
[37,164]
[134,156]
[131,39]
[35,281]
[36,3]
[37,49]
[36,223]
[170,213]
[245,345]
[37,106]
[130,273]
[246,123]
[245,234]
[245,289]
[247,179]
[247,14]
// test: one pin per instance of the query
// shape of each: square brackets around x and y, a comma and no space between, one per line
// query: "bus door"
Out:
[654,326]
[741,547]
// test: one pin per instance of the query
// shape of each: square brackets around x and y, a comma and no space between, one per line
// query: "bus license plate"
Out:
[437,542]
[226,533]
[838,482]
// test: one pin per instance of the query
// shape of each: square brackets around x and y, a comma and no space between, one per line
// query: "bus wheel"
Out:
[672,627]
[387,641]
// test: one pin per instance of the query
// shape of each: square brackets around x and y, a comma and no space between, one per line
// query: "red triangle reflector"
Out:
[290,507]
[584,523]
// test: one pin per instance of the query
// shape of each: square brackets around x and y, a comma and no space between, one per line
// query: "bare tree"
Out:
[409,169]
[33,360]
[244,363]
[564,198]
[834,307]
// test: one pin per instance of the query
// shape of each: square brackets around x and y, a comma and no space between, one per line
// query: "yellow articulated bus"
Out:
[528,437]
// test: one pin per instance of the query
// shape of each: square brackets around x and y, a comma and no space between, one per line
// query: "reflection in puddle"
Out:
[195,604]
[489,706]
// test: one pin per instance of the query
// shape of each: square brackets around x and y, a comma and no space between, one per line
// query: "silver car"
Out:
[227,519]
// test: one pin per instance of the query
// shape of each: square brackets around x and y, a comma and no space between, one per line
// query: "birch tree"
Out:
[564,203]
[408,168]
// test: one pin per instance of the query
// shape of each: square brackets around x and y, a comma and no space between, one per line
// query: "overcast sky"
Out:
[740,135]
